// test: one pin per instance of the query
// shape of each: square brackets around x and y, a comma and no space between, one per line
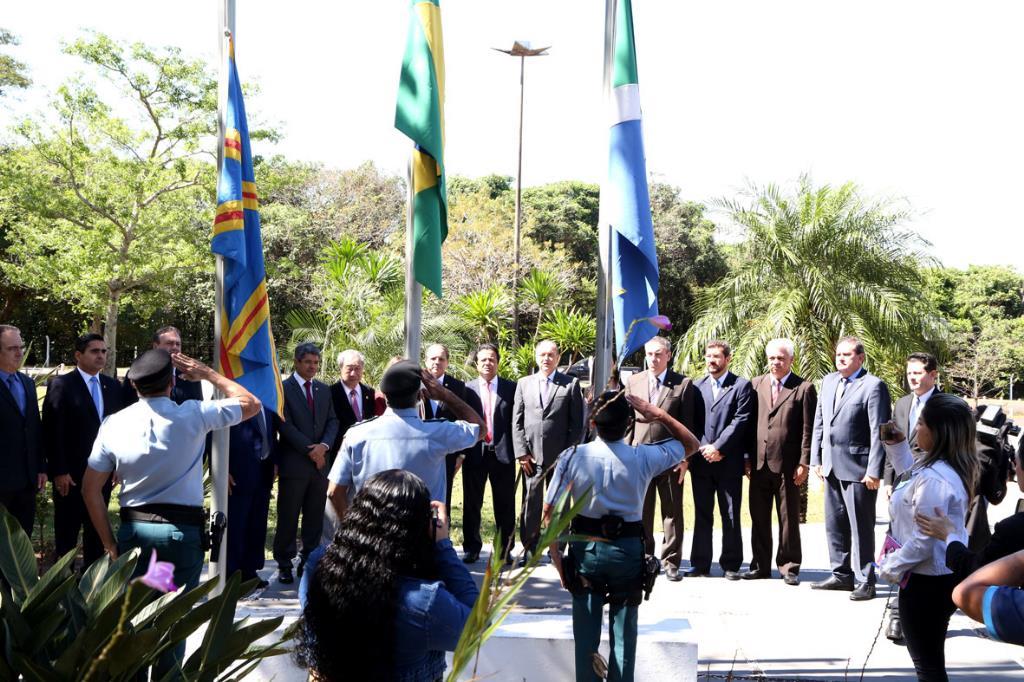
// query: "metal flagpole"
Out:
[219,454]
[413,289]
[603,353]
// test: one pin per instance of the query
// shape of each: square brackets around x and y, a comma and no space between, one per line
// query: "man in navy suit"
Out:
[22,469]
[251,466]
[491,459]
[306,435]
[717,470]
[848,455]
[353,400]
[76,404]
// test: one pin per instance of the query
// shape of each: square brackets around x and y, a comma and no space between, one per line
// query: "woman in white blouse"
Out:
[942,480]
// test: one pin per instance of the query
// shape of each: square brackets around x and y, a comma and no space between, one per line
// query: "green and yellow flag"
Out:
[419,114]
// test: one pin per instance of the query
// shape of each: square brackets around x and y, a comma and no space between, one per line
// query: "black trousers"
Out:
[926,604]
[69,517]
[768,489]
[22,506]
[306,495]
[728,488]
[476,471]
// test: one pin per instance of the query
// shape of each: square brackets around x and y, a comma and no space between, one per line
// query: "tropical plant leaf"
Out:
[57,575]
[17,558]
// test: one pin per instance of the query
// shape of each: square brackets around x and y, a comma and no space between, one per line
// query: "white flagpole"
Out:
[603,353]
[413,289]
[219,454]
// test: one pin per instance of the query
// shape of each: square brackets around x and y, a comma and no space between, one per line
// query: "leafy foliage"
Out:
[816,265]
[13,73]
[107,627]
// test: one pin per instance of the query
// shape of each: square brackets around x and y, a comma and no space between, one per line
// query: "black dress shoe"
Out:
[834,583]
[470,557]
[284,576]
[524,559]
[755,575]
[732,575]
[694,572]
[262,584]
[791,579]
[672,573]
[863,592]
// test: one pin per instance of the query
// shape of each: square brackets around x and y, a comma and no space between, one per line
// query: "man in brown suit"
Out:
[780,459]
[675,394]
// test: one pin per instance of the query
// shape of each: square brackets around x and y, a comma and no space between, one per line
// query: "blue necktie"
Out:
[94,389]
[914,408]
[17,390]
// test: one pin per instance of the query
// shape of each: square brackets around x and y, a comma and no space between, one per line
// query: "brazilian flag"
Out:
[419,114]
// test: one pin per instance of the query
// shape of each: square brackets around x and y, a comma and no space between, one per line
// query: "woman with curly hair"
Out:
[389,596]
[942,480]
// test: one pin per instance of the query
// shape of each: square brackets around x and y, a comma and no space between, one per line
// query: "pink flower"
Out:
[661,322]
[159,575]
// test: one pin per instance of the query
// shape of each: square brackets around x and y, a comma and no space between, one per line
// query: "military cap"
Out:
[401,378]
[151,368]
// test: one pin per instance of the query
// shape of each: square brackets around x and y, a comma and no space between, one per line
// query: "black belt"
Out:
[609,527]
[177,514]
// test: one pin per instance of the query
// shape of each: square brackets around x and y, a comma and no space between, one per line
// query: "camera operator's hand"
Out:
[439,518]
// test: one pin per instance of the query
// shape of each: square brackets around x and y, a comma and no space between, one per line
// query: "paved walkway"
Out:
[765,629]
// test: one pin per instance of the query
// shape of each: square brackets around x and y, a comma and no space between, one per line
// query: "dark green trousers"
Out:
[617,563]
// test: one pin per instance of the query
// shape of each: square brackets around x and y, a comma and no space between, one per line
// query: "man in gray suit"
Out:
[848,455]
[547,418]
[306,435]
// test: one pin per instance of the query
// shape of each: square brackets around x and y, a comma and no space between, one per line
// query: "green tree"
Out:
[13,74]
[114,201]
[816,265]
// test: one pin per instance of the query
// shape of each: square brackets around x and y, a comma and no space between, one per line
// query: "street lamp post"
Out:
[521,49]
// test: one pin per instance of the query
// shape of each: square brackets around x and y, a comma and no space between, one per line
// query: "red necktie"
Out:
[309,397]
[355,405]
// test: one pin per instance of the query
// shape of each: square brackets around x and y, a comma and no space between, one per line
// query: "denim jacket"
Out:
[430,614]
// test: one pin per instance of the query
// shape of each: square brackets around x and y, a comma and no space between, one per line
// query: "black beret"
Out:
[151,367]
[611,409]
[401,378]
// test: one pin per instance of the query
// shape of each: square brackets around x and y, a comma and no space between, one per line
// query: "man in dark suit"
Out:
[677,395]
[717,469]
[780,457]
[168,338]
[353,400]
[922,373]
[251,464]
[76,404]
[22,468]
[848,455]
[547,418]
[306,435]
[491,459]
[436,358]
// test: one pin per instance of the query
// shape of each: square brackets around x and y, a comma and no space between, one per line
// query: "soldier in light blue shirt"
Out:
[399,439]
[615,476]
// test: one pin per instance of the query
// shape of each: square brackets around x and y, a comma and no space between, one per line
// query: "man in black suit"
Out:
[251,464]
[718,468]
[22,468]
[352,399]
[306,435]
[169,338]
[76,404]
[491,459]
[436,359]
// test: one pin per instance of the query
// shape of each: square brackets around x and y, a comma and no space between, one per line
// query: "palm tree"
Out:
[572,330]
[543,290]
[815,266]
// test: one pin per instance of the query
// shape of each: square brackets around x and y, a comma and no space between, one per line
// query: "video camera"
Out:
[995,450]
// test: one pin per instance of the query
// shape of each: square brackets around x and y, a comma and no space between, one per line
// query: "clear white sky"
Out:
[911,99]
